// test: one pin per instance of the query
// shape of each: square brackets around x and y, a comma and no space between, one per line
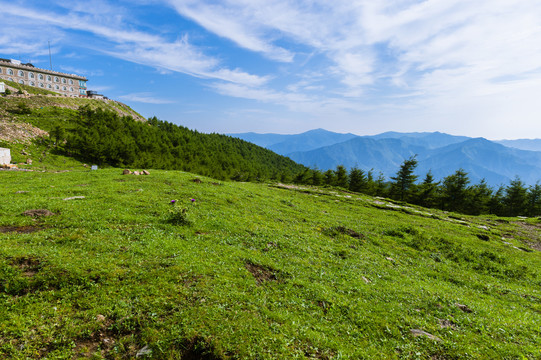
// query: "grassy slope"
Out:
[109,276]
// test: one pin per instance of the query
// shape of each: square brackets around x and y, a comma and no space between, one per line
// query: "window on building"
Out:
[41,85]
[40,76]
[0,70]
[64,81]
[71,89]
[10,72]
[49,86]
[10,79]
[57,87]
[71,82]
[21,82]
[21,73]
[82,83]
[49,78]
[56,79]
[32,83]
[64,88]
[31,75]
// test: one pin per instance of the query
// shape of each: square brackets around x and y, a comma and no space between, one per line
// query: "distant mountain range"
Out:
[497,162]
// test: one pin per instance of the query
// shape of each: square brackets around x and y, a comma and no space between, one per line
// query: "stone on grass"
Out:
[74,198]
[418,332]
[145,172]
[126,172]
[136,173]
[464,308]
[144,351]
[38,212]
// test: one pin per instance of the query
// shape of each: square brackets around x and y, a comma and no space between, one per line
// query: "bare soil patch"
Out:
[261,273]
[20,229]
[29,266]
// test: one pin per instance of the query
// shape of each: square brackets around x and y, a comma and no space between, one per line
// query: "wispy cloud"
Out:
[147,98]
[131,45]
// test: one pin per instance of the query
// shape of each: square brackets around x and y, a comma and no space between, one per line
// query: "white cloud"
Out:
[144,97]
[133,45]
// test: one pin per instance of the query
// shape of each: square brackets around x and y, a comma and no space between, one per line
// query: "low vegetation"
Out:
[95,264]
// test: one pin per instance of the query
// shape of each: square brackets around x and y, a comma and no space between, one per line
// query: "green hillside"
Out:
[108,133]
[255,271]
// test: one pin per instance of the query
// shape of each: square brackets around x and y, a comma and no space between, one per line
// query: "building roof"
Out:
[30,67]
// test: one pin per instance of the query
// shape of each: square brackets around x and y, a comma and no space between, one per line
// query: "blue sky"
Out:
[287,66]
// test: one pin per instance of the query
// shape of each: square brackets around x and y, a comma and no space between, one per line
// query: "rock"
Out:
[144,351]
[85,165]
[74,198]
[444,323]
[464,308]
[197,180]
[100,318]
[418,332]
[28,161]
[21,192]
[24,153]
[38,212]
[483,227]
[136,173]
[366,280]
[126,172]
[145,172]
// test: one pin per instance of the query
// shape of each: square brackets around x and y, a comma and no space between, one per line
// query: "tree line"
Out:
[454,193]
[104,138]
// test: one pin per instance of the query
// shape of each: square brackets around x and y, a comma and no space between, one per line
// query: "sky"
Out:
[462,67]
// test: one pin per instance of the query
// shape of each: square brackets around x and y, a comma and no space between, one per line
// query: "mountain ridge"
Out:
[438,152]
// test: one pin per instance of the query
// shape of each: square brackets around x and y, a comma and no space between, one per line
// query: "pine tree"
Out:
[404,182]
[341,177]
[534,200]
[427,195]
[515,199]
[357,180]
[454,191]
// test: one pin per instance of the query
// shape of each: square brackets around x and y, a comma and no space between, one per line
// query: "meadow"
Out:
[108,267]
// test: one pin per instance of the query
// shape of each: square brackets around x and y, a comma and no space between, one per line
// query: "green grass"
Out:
[254,271]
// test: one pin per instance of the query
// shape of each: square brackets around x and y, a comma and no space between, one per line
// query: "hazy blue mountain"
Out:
[383,155]
[481,158]
[523,144]
[263,140]
[285,144]
[431,140]
[441,153]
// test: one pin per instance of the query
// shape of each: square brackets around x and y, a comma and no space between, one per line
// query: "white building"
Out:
[27,74]
[5,156]
[2,87]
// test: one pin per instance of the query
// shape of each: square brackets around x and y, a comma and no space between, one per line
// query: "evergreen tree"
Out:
[329,177]
[495,204]
[454,191]
[403,183]
[478,199]
[357,180]
[341,177]
[515,199]
[317,177]
[427,194]
[534,200]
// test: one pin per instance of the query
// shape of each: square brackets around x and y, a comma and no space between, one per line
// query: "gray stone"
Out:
[74,198]
[126,172]
[418,332]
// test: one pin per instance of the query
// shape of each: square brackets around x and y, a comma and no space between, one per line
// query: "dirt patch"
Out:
[29,266]
[197,349]
[335,230]
[261,273]
[197,180]
[20,229]
[533,233]
[38,212]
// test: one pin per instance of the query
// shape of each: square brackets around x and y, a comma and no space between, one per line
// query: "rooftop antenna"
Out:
[50,58]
